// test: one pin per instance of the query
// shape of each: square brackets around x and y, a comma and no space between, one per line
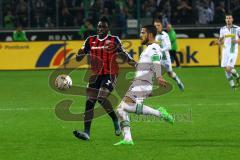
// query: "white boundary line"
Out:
[24,109]
[172,105]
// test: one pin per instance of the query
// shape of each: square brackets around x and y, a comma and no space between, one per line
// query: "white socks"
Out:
[145,110]
[150,111]
[234,73]
[230,78]
[175,77]
[123,111]
[124,122]
[127,134]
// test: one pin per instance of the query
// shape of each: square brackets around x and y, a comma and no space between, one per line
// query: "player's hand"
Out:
[162,82]
[214,43]
[234,41]
[80,55]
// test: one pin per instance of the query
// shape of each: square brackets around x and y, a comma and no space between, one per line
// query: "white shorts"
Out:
[167,64]
[139,90]
[228,59]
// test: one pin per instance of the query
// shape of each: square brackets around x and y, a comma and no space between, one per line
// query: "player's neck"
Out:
[102,36]
[151,42]
[229,26]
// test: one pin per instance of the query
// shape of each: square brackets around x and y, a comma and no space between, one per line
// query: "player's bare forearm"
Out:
[80,55]
[132,62]
[236,41]
[220,41]
[216,42]
[130,59]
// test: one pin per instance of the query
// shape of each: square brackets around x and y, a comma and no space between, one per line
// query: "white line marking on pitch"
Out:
[24,109]
[170,105]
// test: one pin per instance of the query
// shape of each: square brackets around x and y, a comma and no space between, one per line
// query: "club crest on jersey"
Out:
[99,47]
[108,82]
[107,41]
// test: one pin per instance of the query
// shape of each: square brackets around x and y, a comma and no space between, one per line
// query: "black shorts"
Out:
[106,81]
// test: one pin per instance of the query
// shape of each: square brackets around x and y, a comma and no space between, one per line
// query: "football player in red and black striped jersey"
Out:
[102,49]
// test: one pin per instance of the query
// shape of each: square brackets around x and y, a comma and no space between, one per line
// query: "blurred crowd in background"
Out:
[85,13]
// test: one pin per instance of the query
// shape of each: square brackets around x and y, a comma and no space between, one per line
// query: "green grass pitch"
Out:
[208,124]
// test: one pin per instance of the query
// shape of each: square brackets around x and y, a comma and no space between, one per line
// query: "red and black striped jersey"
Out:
[103,53]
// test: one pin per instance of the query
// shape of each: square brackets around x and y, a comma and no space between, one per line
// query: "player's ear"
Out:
[150,35]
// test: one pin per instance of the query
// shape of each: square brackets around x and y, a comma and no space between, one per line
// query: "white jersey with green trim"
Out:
[165,44]
[230,34]
[149,63]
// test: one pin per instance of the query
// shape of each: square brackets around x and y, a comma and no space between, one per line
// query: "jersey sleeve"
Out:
[221,33]
[86,46]
[238,32]
[120,48]
[166,43]
[156,58]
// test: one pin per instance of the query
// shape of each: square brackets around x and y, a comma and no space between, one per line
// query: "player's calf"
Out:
[108,108]
[230,79]
[236,76]
[174,76]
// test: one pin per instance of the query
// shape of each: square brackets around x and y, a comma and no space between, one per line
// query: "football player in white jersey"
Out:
[148,67]
[229,39]
[165,44]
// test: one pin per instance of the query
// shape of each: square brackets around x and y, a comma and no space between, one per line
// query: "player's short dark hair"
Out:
[151,29]
[157,19]
[228,14]
[104,20]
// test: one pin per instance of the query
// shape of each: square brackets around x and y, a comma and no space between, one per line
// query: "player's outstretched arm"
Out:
[125,54]
[158,70]
[216,42]
[84,50]
[80,55]
[131,61]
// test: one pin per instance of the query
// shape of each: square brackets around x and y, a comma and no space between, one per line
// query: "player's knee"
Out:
[103,93]
[106,104]
[101,100]
[119,112]
[228,69]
